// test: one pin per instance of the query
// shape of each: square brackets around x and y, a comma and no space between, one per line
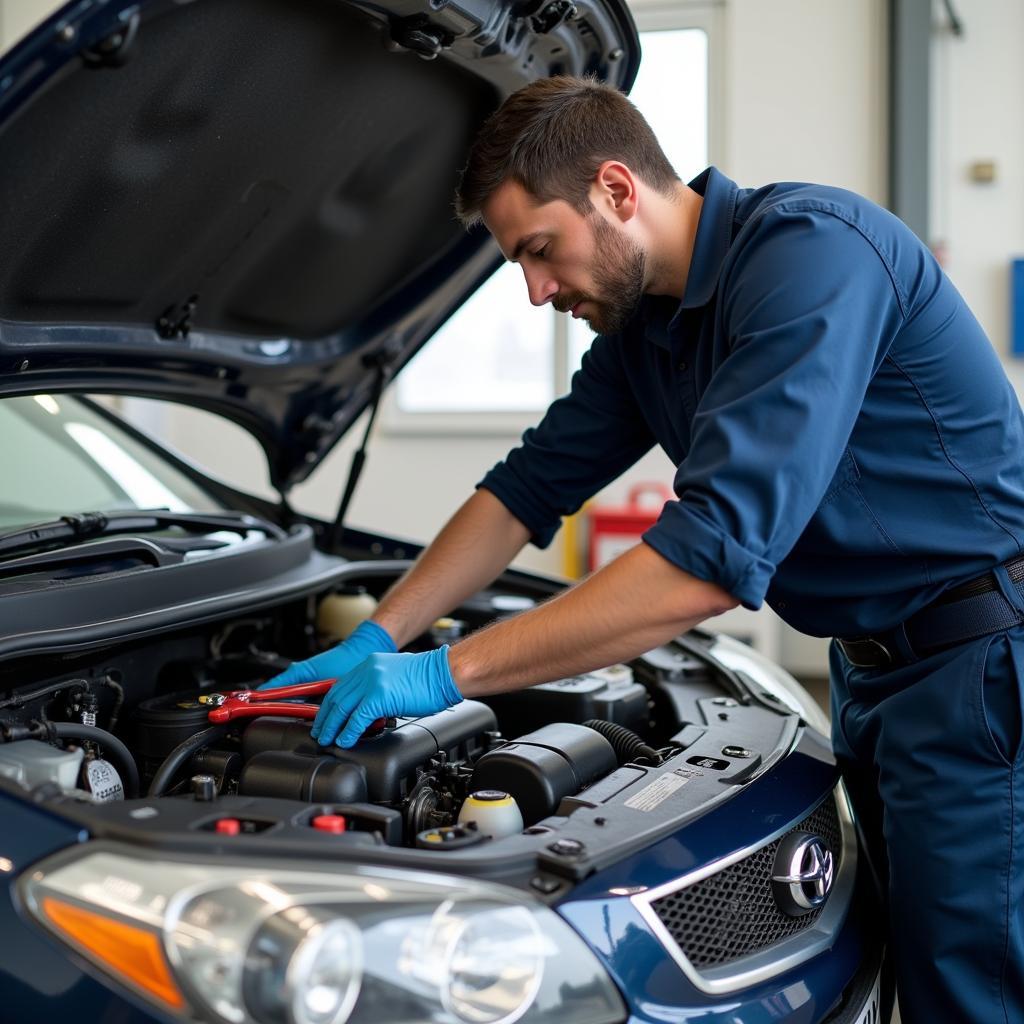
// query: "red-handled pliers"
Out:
[250,703]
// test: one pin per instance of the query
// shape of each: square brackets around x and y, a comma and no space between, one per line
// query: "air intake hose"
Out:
[181,754]
[626,744]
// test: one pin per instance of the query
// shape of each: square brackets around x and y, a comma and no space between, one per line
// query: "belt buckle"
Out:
[867,646]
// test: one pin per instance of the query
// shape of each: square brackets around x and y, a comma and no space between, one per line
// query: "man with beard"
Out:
[848,449]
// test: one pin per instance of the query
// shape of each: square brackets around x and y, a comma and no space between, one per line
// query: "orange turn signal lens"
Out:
[128,952]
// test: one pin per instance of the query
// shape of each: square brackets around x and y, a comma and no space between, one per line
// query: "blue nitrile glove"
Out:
[385,686]
[366,639]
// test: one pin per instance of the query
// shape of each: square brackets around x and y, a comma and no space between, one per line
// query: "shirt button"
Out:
[682,366]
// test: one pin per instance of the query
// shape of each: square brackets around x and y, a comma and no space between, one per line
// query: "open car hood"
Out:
[247,205]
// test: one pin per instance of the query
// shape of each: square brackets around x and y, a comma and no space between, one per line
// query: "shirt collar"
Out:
[710,245]
[714,235]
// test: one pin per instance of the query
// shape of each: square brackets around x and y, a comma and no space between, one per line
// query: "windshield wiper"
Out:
[85,525]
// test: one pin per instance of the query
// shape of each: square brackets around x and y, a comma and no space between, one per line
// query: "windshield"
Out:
[60,457]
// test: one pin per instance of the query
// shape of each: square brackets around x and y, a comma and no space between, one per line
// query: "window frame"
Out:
[650,16]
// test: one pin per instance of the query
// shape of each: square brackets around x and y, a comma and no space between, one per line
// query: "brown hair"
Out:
[551,136]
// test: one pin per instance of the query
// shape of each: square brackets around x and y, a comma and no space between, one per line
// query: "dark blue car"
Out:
[245,206]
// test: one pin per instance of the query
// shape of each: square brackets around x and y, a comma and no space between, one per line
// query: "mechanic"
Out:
[848,449]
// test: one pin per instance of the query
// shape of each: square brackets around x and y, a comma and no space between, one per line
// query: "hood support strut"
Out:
[380,361]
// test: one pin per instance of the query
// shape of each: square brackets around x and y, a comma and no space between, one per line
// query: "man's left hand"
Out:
[385,686]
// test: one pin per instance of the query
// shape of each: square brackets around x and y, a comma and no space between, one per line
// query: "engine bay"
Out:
[123,740]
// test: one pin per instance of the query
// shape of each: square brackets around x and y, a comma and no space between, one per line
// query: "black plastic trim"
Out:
[113,609]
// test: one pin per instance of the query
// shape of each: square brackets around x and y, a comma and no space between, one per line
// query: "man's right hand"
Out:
[366,639]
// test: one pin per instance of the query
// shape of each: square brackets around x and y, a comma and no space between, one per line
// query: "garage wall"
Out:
[18,16]
[976,116]
[806,95]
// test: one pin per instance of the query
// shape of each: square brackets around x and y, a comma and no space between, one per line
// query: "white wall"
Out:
[806,93]
[18,16]
[976,115]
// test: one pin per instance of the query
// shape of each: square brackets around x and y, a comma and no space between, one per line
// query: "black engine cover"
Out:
[541,768]
[390,760]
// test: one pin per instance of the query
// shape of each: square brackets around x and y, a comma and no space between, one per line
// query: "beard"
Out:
[618,271]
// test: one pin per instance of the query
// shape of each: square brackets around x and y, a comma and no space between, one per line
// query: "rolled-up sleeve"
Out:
[809,309]
[584,441]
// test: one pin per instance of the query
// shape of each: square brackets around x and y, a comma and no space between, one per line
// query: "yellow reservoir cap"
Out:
[475,801]
[495,812]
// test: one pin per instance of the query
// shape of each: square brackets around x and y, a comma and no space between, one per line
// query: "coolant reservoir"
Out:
[32,762]
[495,812]
[339,613]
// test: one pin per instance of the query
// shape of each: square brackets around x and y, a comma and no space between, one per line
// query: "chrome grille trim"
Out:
[781,956]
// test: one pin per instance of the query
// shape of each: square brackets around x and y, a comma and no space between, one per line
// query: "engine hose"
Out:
[118,753]
[21,699]
[626,744]
[182,752]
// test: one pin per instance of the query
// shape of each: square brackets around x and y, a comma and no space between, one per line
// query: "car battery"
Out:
[610,694]
[615,529]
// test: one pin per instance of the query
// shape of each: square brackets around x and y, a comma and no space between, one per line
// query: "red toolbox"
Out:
[614,529]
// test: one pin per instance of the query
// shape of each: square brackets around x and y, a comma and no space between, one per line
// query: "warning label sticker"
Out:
[651,796]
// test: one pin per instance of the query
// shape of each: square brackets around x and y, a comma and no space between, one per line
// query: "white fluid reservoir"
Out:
[495,812]
[32,763]
[339,613]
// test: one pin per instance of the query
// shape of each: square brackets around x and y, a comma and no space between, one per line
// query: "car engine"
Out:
[133,721]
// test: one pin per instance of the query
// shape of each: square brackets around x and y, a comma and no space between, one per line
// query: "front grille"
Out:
[732,913]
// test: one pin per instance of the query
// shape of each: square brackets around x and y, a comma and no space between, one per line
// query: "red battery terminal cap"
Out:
[227,826]
[329,823]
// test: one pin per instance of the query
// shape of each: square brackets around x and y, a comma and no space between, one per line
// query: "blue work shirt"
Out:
[848,445]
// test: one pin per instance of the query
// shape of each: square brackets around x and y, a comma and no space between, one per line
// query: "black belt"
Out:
[967,611]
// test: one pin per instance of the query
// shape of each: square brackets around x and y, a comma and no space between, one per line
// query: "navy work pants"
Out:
[934,761]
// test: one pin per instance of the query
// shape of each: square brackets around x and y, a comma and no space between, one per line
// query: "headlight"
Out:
[303,967]
[486,966]
[741,658]
[242,943]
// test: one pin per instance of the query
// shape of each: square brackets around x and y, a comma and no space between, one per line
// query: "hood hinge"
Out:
[176,321]
[418,34]
[553,15]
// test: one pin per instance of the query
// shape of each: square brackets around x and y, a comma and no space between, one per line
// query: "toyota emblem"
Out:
[802,873]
